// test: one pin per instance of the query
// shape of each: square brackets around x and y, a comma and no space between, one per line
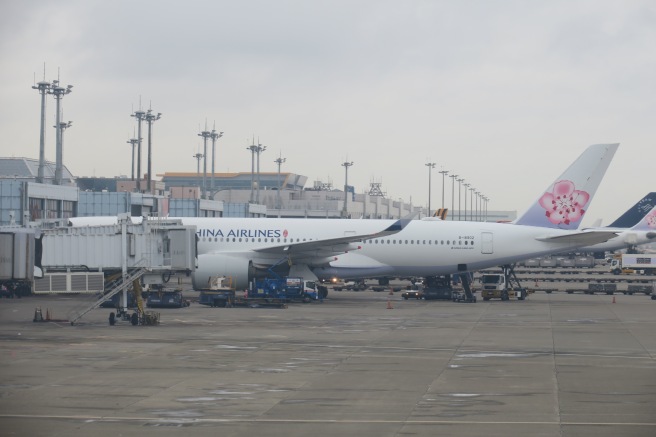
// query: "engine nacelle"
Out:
[239,268]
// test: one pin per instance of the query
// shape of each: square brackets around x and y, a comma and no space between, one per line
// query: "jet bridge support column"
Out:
[123,220]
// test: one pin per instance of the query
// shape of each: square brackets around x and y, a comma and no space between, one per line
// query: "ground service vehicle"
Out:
[413,292]
[495,286]
[629,263]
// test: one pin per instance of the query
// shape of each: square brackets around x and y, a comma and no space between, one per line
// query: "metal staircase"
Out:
[76,315]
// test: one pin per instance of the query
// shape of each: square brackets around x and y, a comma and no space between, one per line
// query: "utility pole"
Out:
[150,119]
[346,166]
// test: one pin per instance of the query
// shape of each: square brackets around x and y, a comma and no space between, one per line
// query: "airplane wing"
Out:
[330,246]
[584,238]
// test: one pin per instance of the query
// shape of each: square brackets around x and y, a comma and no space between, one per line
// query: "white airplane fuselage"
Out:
[422,248]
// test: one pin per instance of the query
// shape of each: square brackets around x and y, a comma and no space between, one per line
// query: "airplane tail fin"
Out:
[648,223]
[564,202]
[636,212]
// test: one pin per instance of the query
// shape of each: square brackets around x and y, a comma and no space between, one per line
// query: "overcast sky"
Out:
[503,93]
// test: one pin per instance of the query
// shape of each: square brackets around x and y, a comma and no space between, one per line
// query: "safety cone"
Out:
[389,305]
[613,299]
[38,317]
[391,293]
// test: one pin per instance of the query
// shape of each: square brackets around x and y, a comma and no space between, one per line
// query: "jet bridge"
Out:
[79,259]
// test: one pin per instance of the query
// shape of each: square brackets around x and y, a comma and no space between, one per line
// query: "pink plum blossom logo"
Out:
[565,204]
[651,219]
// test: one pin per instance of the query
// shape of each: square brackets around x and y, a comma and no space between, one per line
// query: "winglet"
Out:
[564,202]
[396,226]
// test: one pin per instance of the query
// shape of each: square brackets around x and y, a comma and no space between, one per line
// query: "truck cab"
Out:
[495,286]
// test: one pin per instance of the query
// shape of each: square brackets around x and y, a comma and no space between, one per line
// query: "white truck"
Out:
[495,286]
[634,263]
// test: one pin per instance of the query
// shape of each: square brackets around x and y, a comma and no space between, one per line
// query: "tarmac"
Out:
[360,363]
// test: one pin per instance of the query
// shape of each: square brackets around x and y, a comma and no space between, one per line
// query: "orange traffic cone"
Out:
[389,305]
[391,293]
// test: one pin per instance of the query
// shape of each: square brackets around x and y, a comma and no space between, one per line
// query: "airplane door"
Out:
[486,242]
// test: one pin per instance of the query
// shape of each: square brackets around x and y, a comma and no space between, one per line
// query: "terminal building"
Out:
[266,194]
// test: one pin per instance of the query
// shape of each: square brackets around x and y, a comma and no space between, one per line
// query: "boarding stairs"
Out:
[127,282]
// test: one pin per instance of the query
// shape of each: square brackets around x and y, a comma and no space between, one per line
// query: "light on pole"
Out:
[198,157]
[431,166]
[453,193]
[460,181]
[253,149]
[471,203]
[465,210]
[134,142]
[346,166]
[44,88]
[62,127]
[59,92]
[205,134]
[214,135]
[140,116]
[150,119]
[279,161]
[260,149]
[444,173]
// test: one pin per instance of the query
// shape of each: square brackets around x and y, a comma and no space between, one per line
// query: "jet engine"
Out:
[239,268]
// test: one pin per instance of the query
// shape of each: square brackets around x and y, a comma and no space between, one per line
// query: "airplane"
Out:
[350,249]
[631,217]
[643,232]
[247,248]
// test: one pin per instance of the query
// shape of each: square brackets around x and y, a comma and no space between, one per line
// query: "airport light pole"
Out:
[59,92]
[214,135]
[346,166]
[260,149]
[44,88]
[150,119]
[460,181]
[471,203]
[431,166]
[139,116]
[465,211]
[453,193]
[205,134]
[198,157]
[279,161]
[252,148]
[63,125]
[133,142]
[444,173]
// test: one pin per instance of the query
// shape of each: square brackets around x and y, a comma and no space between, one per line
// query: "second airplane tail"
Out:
[564,203]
